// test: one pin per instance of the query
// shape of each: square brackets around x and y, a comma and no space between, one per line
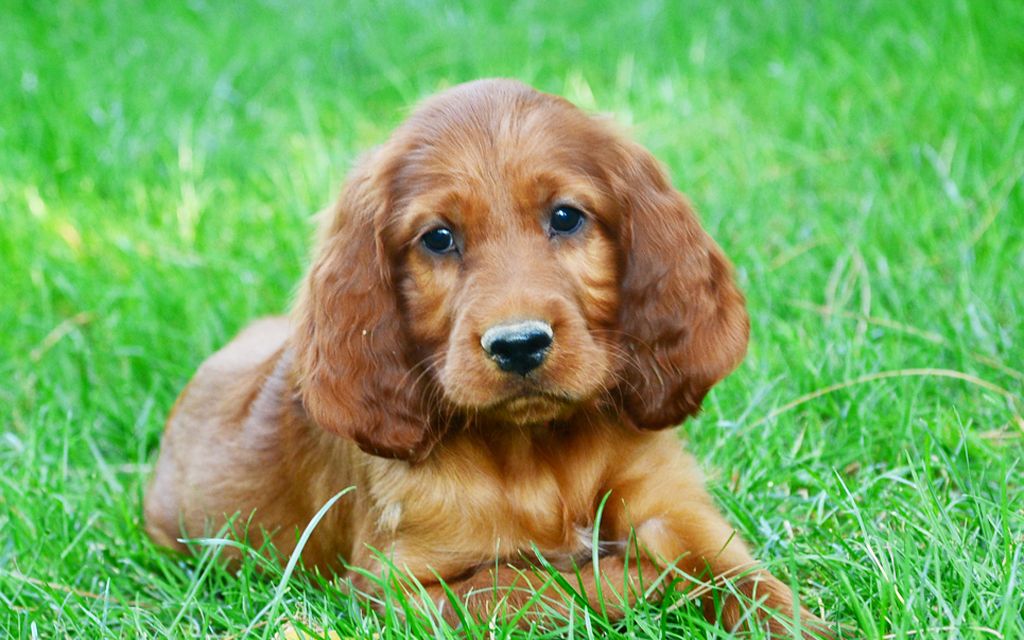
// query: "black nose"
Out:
[520,347]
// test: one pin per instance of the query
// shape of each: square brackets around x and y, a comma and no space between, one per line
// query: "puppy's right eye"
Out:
[566,220]
[440,240]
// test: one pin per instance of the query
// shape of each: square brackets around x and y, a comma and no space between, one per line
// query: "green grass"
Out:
[861,163]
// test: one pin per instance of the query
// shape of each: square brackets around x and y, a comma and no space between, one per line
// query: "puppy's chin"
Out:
[519,404]
[529,409]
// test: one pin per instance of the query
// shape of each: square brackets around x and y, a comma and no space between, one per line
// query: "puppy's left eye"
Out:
[439,240]
[566,220]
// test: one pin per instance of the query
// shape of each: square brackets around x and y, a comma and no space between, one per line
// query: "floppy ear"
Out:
[348,340]
[684,322]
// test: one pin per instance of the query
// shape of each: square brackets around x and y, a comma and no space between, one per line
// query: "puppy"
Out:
[508,310]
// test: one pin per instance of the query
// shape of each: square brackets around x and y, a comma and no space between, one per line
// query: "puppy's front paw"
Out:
[768,604]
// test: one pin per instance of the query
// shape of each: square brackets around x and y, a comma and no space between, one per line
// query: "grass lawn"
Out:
[861,163]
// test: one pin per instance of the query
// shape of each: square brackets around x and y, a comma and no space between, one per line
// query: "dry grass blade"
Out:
[57,333]
[884,375]
[930,336]
[82,593]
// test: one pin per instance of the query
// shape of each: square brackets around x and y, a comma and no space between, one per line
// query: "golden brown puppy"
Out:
[508,310]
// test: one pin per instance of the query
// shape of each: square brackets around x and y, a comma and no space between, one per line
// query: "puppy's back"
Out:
[203,426]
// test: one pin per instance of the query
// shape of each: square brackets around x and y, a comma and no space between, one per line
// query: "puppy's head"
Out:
[506,256]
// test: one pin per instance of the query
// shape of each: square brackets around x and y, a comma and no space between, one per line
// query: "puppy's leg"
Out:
[677,525]
[506,591]
[696,540]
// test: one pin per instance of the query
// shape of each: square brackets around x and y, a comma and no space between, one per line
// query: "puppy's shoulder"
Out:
[252,346]
[226,383]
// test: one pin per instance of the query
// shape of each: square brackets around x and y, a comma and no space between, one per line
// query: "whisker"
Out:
[426,363]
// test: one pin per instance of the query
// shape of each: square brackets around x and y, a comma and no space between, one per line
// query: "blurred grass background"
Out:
[861,163]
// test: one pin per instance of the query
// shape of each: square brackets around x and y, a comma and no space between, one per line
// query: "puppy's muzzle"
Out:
[520,347]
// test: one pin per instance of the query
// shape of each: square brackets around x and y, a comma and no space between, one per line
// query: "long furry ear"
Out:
[349,345]
[683,320]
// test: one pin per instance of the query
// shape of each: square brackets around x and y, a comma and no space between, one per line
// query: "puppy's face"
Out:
[506,256]
[504,240]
